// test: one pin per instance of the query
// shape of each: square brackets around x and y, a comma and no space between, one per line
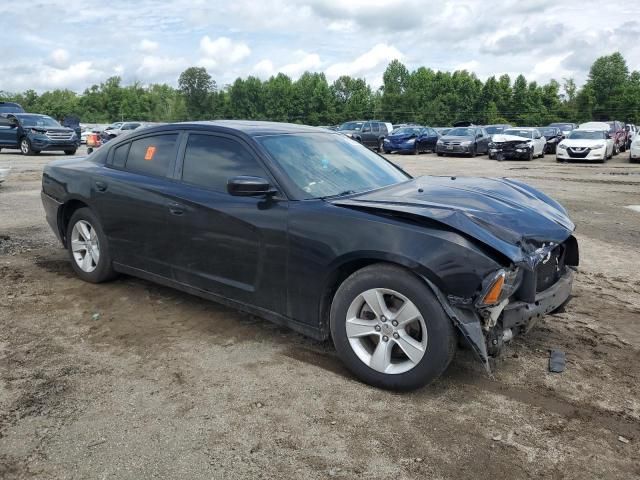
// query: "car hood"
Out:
[402,137]
[499,137]
[579,142]
[452,138]
[511,217]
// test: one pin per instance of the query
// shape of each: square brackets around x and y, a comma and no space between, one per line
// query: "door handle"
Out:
[101,186]
[176,208]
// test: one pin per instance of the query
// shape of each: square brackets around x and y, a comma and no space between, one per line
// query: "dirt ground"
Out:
[132,380]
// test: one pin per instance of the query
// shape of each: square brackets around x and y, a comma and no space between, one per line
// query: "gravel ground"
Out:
[133,380]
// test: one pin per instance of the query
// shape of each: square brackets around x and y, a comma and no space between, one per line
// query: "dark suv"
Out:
[10,107]
[370,133]
[33,133]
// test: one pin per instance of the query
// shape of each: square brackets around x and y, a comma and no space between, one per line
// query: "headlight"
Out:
[523,145]
[440,142]
[492,145]
[500,286]
[562,146]
[596,147]
[386,140]
[411,141]
[465,144]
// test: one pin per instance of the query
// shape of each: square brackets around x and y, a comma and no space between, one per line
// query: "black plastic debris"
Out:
[557,361]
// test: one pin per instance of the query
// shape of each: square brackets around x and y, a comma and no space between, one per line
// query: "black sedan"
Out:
[309,229]
[553,135]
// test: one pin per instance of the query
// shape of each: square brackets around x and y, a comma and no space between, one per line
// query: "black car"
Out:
[309,229]
[553,135]
[370,133]
[496,129]
[33,133]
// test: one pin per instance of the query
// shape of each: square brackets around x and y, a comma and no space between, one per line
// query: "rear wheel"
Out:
[88,248]
[389,328]
[439,154]
[70,152]
[530,156]
[380,145]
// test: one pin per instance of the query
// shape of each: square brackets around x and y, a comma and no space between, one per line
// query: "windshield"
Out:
[322,165]
[586,135]
[351,126]
[37,121]
[519,133]
[548,132]
[407,131]
[462,132]
[494,130]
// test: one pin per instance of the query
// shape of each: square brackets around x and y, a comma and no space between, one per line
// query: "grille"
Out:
[53,135]
[581,153]
[451,143]
[549,271]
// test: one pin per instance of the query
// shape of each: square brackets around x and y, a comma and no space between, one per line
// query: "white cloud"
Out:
[222,51]
[59,58]
[264,68]
[154,67]
[370,64]
[148,46]
[308,62]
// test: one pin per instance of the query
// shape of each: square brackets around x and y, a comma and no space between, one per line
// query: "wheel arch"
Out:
[65,213]
[345,266]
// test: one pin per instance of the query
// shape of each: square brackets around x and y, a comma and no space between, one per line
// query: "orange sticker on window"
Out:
[151,151]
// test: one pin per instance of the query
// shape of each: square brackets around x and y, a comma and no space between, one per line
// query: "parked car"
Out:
[118,129]
[72,122]
[10,107]
[613,129]
[308,229]
[33,133]
[370,133]
[495,129]
[518,143]
[553,136]
[414,139]
[586,144]
[634,150]
[565,127]
[632,132]
[466,140]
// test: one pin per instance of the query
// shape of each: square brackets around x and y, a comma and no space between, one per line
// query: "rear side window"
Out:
[152,155]
[376,127]
[209,162]
[120,156]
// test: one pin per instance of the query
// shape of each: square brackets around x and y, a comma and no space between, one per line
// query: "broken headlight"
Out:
[499,286]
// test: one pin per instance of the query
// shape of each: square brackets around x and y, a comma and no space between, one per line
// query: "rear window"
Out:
[152,155]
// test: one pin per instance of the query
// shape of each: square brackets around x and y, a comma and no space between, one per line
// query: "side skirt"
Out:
[274,317]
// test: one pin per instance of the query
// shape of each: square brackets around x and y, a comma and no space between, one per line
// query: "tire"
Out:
[26,148]
[92,270]
[542,153]
[388,152]
[431,334]
[439,154]
[530,156]
[490,156]
[474,152]
[416,150]
[70,152]
[380,145]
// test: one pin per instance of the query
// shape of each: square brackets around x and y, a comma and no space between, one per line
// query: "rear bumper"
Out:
[51,209]
[524,314]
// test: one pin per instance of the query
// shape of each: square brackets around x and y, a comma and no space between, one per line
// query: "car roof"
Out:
[24,114]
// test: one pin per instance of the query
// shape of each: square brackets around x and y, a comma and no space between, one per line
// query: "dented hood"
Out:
[512,217]
[499,138]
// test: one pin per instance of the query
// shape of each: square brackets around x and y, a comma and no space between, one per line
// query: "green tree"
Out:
[196,85]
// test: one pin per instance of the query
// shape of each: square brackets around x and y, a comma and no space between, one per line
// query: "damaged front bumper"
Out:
[543,285]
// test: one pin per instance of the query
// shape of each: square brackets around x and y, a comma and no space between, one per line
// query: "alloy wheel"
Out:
[24,146]
[386,331]
[85,246]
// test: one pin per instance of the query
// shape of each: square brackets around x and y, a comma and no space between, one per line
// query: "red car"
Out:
[619,136]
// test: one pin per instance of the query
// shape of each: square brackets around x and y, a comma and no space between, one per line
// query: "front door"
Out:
[228,245]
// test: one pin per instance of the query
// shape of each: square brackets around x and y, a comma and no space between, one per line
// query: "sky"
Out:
[77,43]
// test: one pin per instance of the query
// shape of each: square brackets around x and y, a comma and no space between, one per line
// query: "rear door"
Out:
[8,132]
[132,202]
[228,245]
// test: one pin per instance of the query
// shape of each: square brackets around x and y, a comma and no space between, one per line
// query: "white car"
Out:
[585,144]
[126,127]
[632,133]
[634,151]
[523,142]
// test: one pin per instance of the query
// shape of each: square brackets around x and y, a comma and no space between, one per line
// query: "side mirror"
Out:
[479,135]
[245,186]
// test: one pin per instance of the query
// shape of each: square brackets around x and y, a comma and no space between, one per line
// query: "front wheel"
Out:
[70,152]
[530,156]
[26,148]
[389,328]
[88,248]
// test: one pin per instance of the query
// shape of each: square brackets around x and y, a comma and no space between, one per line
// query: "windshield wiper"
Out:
[341,194]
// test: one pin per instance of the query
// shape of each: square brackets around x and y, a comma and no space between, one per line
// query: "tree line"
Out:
[424,96]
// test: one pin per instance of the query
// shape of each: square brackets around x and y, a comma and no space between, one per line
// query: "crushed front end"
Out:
[512,300]
[513,149]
